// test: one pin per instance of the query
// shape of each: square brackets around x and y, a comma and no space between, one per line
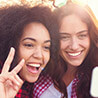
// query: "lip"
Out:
[34,63]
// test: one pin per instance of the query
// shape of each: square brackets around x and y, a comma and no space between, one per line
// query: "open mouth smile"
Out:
[33,68]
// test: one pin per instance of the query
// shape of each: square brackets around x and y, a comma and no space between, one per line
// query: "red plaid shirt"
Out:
[40,86]
[26,91]
[34,90]
[74,86]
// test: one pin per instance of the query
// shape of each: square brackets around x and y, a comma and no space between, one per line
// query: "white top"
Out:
[52,92]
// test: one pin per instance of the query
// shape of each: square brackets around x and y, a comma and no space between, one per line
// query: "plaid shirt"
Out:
[30,90]
[40,86]
[26,91]
[74,86]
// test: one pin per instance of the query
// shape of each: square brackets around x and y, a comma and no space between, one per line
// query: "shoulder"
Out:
[43,83]
[51,92]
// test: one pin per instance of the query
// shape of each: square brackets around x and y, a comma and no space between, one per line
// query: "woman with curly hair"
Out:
[30,36]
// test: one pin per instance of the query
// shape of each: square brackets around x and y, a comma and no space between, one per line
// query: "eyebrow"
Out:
[65,33]
[28,38]
[82,31]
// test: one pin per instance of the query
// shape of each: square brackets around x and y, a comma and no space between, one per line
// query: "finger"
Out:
[2,95]
[8,60]
[6,76]
[19,79]
[18,67]
[12,82]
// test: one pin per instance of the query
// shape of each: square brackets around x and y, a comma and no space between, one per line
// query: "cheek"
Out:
[23,54]
[86,44]
[63,45]
[47,57]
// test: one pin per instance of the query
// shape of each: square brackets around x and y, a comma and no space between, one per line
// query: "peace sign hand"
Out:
[10,82]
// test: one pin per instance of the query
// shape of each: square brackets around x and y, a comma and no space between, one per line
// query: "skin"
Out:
[34,50]
[10,82]
[75,44]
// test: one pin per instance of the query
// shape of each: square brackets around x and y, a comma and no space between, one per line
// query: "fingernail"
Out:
[12,49]
[22,60]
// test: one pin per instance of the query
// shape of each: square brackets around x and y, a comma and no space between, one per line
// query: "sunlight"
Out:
[60,3]
[93,5]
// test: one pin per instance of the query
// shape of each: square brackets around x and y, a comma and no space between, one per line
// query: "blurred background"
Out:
[51,3]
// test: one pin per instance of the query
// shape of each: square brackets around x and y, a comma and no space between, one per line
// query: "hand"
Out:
[10,82]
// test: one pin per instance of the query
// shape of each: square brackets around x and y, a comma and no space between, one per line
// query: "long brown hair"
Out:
[13,20]
[87,16]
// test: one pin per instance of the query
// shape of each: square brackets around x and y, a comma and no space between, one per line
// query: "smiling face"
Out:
[34,47]
[75,40]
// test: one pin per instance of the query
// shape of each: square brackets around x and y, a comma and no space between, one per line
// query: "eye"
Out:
[82,36]
[65,38]
[46,48]
[28,45]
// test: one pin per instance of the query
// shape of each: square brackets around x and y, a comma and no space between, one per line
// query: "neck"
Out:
[69,75]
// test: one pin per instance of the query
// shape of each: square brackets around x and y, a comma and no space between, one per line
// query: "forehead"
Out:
[72,23]
[36,30]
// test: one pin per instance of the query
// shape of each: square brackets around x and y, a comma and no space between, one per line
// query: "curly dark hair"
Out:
[86,15]
[13,20]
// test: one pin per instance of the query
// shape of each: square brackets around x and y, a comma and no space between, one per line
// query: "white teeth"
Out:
[74,54]
[34,65]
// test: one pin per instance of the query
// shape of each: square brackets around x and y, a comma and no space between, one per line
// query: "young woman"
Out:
[32,40]
[78,49]
[78,52]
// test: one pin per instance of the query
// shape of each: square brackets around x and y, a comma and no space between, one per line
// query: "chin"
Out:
[76,64]
[32,80]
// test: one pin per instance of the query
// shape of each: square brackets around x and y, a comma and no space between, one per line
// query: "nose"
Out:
[38,53]
[74,44]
